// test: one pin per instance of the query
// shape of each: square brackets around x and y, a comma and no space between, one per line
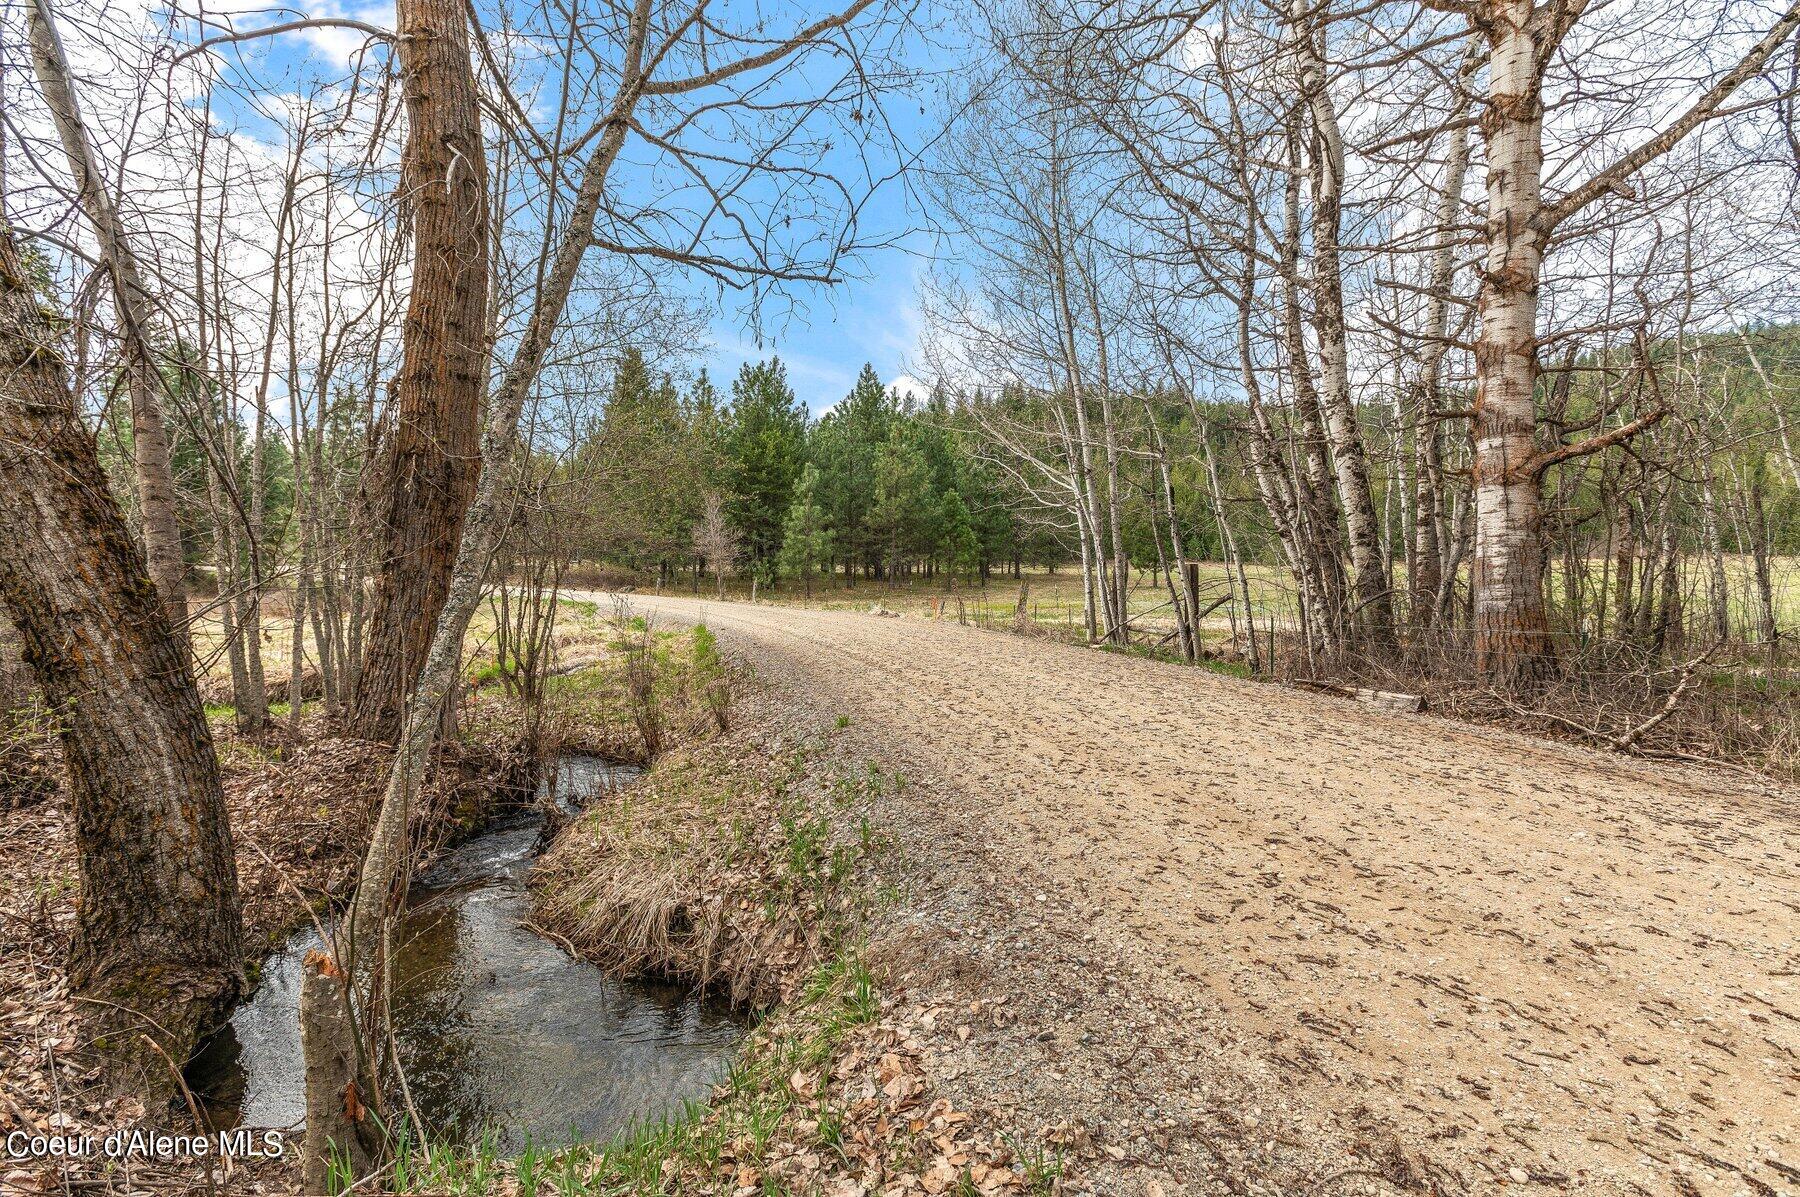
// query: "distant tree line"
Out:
[883,487]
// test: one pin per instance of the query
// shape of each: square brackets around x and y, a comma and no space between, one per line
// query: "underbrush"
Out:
[649,690]
[1700,706]
[30,761]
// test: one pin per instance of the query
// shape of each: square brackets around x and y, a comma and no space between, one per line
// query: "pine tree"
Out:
[902,490]
[764,447]
[652,473]
[956,537]
[845,446]
[805,538]
[705,416]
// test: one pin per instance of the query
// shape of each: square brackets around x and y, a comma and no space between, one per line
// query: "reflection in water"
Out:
[497,1028]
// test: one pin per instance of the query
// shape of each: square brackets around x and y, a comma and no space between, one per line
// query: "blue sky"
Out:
[872,317]
[823,334]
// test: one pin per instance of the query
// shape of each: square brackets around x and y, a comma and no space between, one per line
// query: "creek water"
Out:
[498,1029]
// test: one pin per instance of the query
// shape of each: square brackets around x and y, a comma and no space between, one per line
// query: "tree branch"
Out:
[363,27]
[768,57]
[1593,444]
[1614,177]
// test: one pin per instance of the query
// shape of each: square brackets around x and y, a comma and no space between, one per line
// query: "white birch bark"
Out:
[1373,613]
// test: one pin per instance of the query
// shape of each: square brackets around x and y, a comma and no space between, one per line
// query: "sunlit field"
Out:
[1054,600]
[1053,604]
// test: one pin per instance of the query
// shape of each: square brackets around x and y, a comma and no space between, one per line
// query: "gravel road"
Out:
[1254,937]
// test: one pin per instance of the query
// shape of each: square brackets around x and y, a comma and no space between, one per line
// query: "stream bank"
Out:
[300,812]
[768,839]
[502,1034]
[752,864]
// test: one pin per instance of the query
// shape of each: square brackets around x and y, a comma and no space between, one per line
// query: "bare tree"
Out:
[137,319]
[716,542]
[434,423]
[156,955]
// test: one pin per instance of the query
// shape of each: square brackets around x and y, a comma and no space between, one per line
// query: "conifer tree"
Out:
[764,447]
[902,507]
[805,538]
[956,537]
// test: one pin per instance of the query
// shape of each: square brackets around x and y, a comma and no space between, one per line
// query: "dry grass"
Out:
[1697,707]
[636,689]
[721,868]
[714,869]
[1054,600]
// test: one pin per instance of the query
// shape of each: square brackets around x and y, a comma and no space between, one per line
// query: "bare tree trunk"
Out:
[157,940]
[1103,618]
[1234,563]
[1313,482]
[1078,503]
[302,525]
[1625,551]
[433,453]
[336,1081]
[221,466]
[1719,590]
[1187,624]
[1758,520]
[1281,497]
[1670,624]
[1094,557]
[1462,537]
[1512,629]
[486,519]
[1121,562]
[254,713]
[1428,440]
[144,383]
[1374,612]
[225,562]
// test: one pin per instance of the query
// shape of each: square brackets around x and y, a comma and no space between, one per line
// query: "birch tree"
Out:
[1513,641]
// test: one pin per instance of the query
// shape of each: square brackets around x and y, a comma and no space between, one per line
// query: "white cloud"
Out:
[907,384]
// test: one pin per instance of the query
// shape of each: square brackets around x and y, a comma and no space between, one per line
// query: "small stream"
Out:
[498,1028]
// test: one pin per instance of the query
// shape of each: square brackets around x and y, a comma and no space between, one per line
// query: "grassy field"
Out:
[1053,603]
[1055,600]
[581,628]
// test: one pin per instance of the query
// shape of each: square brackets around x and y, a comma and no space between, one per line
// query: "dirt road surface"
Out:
[1261,940]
